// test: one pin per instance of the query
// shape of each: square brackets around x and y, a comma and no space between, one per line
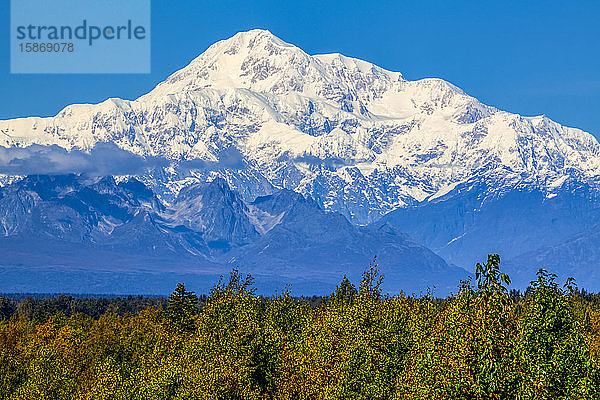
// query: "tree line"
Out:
[485,342]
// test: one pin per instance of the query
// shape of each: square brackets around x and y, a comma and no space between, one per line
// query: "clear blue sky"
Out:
[531,57]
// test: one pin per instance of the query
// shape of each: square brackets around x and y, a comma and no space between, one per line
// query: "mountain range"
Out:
[56,228]
[302,168]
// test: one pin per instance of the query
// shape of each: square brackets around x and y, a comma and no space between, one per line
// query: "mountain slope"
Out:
[467,223]
[575,257]
[98,212]
[306,242]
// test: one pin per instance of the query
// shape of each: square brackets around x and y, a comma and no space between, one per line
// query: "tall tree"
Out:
[182,307]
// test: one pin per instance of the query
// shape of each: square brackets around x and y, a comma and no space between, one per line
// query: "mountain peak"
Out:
[245,60]
[254,37]
[259,61]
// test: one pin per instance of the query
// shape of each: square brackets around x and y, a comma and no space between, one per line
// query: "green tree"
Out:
[7,308]
[554,358]
[489,278]
[372,279]
[181,308]
[345,292]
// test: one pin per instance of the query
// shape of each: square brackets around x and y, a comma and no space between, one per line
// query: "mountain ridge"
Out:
[99,226]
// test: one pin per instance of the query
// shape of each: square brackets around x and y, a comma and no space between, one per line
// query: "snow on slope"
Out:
[359,139]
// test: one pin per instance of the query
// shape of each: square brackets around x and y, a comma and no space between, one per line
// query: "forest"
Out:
[484,342]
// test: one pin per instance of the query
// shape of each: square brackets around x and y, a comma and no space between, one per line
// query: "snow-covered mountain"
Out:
[357,138]
[461,177]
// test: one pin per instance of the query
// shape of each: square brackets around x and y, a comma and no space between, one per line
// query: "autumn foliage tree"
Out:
[484,342]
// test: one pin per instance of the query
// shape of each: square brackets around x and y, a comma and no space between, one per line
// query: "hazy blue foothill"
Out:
[528,229]
[92,235]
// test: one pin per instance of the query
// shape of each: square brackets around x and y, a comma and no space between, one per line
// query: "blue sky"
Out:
[533,57]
